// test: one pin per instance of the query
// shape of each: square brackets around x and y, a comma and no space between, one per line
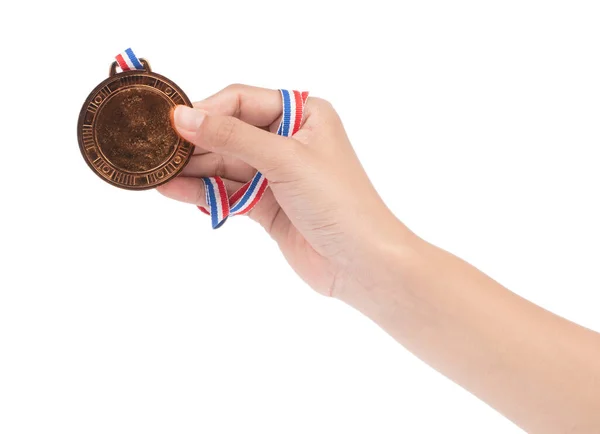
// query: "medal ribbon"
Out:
[220,207]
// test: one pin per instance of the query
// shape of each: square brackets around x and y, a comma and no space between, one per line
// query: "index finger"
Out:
[253,105]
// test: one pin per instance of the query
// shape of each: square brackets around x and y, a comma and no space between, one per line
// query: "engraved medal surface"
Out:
[125,129]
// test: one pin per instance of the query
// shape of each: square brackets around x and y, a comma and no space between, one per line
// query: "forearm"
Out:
[541,371]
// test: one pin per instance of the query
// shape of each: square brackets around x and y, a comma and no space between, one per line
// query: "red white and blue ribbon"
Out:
[245,199]
[128,61]
[220,207]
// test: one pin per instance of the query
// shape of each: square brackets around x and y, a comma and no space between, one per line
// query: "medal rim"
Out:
[81,121]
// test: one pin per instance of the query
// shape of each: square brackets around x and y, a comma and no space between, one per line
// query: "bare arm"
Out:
[539,370]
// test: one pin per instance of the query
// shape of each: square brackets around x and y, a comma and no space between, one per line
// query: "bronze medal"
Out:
[125,129]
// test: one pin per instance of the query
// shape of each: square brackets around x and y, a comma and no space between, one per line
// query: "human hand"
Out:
[321,208]
[341,239]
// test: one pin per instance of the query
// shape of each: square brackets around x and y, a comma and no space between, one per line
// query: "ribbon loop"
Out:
[245,199]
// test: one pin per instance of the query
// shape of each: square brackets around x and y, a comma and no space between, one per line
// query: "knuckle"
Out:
[322,104]
[220,166]
[235,92]
[235,87]
[325,111]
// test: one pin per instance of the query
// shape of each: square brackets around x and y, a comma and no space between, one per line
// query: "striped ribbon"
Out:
[220,207]
[128,61]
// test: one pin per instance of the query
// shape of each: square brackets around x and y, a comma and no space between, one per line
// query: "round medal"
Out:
[125,129]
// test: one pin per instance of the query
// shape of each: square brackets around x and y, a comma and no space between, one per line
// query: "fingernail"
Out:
[187,118]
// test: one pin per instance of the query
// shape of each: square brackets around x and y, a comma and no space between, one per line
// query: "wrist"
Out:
[380,265]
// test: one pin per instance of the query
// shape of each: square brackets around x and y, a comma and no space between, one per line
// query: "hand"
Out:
[538,369]
[321,209]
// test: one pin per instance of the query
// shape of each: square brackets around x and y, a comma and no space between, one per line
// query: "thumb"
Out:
[228,135]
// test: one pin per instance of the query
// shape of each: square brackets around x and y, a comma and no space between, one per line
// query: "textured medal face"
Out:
[126,134]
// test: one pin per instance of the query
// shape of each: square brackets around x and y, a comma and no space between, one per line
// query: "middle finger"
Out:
[211,164]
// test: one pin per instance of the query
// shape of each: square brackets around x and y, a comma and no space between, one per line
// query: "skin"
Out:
[539,370]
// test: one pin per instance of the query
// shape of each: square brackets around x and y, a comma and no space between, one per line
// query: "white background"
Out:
[124,312]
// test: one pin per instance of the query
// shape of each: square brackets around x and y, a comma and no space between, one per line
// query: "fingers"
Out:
[267,212]
[212,164]
[229,136]
[191,190]
[253,105]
